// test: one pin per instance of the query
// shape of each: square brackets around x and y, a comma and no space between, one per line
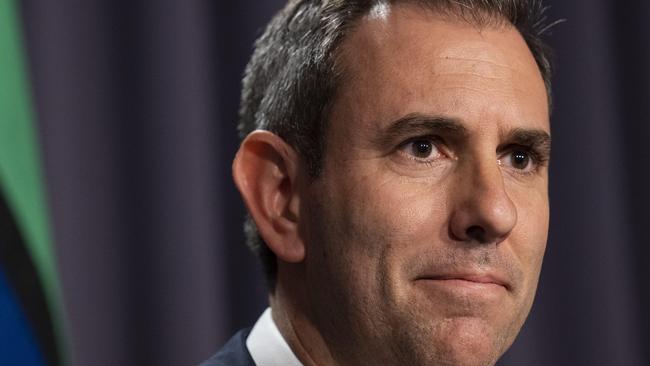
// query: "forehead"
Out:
[405,59]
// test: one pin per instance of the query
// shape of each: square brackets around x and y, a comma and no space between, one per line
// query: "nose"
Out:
[482,210]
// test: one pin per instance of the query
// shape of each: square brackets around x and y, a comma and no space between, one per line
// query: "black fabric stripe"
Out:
[23,279]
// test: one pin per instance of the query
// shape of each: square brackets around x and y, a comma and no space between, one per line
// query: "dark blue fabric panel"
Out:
[17,343]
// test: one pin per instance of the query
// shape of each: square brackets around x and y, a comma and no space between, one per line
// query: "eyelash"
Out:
[535,156]
[435,141]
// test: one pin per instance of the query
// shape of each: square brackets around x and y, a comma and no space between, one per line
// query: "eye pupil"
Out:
[520,159]
[422,148]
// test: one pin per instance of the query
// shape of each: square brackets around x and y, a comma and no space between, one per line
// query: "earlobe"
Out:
[266,171]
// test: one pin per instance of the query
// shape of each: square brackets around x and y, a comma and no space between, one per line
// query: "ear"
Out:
[266,173]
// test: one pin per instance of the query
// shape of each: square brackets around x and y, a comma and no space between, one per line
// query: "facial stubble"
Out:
[375,314]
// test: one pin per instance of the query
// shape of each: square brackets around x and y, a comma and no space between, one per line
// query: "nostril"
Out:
[476,233]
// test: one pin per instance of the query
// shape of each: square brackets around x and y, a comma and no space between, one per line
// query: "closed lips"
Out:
[486,279]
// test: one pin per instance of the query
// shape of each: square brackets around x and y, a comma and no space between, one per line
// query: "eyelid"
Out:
[535,154]
[437,142]
[537,158]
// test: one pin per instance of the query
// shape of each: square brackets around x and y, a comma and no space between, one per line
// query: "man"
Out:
[395,170]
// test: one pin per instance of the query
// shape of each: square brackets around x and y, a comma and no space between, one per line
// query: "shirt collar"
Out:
[267,346]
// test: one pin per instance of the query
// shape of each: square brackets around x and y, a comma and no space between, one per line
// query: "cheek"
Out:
[397,212]
[381,225]
[529,239]
[367,231]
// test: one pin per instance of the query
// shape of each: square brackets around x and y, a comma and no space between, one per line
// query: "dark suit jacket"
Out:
[233,353]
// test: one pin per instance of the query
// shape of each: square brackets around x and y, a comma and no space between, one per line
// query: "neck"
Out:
[289,309]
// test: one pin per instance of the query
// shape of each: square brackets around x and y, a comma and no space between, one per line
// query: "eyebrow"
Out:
[539,140]
[417,123]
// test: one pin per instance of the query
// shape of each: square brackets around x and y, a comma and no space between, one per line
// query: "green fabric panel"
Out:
[20,174]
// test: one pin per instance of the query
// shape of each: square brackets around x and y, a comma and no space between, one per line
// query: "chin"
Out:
[455,341]
[470,343]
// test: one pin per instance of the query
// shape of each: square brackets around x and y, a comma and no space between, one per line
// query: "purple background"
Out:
[136,105]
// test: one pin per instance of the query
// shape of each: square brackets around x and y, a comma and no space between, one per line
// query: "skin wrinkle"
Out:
[482,260]
[470,59]
[413,124]
[378,226]
[445,56]
[303,345]
[416,124]
[472,74]
[480,90]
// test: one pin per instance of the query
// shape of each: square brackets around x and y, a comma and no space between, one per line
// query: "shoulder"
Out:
[233,353]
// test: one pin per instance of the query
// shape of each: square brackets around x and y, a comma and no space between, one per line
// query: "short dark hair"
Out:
[291,79]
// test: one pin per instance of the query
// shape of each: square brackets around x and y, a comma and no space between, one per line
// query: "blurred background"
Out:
[120,227]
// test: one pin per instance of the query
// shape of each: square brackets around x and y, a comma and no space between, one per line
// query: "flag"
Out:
[31,316]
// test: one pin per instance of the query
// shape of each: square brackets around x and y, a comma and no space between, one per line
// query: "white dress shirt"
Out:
[267,346]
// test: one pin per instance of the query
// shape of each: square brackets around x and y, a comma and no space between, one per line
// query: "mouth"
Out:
[467,281]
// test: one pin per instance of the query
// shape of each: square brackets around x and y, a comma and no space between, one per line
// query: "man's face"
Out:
[427,227]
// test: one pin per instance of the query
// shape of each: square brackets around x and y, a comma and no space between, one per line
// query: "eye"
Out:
[519,159]
[421,148]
